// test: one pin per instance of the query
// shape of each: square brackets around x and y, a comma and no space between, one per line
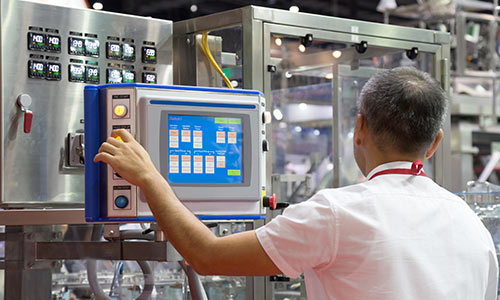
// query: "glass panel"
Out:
[303,93]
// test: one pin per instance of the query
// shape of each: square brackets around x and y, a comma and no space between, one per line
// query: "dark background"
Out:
[177,10]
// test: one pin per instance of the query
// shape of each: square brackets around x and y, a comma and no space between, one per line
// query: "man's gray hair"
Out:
[404,109]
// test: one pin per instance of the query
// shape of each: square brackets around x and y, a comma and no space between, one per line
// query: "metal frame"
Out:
[258,23]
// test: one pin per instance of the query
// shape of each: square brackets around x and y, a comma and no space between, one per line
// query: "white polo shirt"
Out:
[393,237]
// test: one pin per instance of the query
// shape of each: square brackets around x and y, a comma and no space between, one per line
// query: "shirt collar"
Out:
[390,165]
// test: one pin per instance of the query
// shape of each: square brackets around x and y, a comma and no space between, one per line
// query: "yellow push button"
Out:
[120,110]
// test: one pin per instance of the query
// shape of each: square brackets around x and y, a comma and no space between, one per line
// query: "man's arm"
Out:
[237,254]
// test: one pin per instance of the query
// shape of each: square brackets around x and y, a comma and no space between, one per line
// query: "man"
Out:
[396,236]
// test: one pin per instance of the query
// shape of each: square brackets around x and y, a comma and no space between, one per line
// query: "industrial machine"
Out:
[208,143]
[309,69]
[57,52]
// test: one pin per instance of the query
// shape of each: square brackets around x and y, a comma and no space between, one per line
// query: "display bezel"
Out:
[129,72]
[110,54]
[70,73]
[146,58]
[47,67]
[128,58]
[108,73]
[246,144]
[30,40]
[98,74]
[144,74]
[52,48]
[90,53]
[71,48]
[30,74]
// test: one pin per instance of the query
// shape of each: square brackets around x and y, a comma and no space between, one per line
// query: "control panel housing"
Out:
[50,53]
[207,143]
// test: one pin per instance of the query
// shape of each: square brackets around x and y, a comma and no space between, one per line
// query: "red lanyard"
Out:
[416,169]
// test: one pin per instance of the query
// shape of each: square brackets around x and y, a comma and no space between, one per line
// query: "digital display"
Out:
[114,76]
[128,76]
[92,48]
[149,78]
[36,41]
[204,149]
[36,69]
[53,71]
[113,50]
[53,43]
[76,73]
[128,52]
[76,46]
[149,55]
[92,74]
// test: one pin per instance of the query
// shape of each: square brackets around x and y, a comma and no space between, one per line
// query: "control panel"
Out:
[84,50]
[207,143]
[49,55]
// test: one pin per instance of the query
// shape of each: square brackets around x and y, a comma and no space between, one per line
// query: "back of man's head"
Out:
[404,109]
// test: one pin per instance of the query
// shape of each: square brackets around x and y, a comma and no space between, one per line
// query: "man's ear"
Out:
[435,144]
[359,130]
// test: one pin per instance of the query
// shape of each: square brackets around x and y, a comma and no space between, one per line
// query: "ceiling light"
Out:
[298,129]
[329,76]
[288,75]
[278,115]
[97,6]
[316,132]
[337,53]
[278,42]
[193,8]
[234,83]
[302,48]
[294,8]
[302,106]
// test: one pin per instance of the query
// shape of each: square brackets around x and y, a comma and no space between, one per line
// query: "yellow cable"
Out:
[206,49]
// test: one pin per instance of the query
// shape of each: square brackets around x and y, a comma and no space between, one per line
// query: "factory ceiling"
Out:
[177,10]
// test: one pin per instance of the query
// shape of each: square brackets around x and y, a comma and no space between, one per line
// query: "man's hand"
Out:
[237,254]
[128,158]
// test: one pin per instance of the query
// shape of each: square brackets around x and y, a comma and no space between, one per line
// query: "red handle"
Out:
[28,118]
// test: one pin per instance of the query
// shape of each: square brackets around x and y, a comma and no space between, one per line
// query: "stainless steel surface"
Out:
[34,168]
[42,216]
[304,20]
[192,66]
[119,250]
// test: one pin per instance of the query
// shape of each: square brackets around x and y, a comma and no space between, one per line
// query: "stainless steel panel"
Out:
[34,169]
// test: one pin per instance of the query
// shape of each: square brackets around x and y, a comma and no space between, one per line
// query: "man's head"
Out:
[403,110]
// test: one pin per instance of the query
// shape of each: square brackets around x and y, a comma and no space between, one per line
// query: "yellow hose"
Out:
[206,49]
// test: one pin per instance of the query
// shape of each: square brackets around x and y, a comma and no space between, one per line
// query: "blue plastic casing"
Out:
[95,135]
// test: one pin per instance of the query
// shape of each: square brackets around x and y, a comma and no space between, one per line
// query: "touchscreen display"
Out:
[204,149]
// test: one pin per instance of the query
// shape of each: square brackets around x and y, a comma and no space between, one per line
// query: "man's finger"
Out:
[113,141]
[107,147]
[124,134]
[103,157]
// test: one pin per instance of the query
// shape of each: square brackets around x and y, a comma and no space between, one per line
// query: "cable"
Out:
[195,285]
[145,267]
[208,54]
